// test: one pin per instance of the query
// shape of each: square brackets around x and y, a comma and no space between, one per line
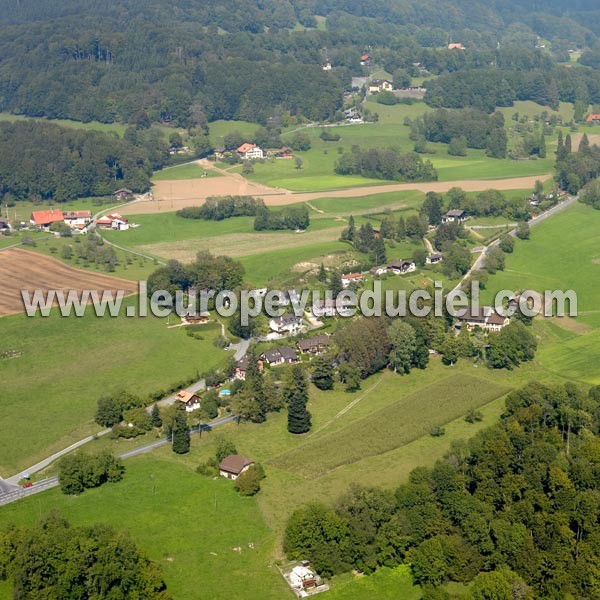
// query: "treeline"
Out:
[477,129]
[495,513]
[218,208]
[575,169]
[289,217]
[386,164]
[54,559]
[41,161]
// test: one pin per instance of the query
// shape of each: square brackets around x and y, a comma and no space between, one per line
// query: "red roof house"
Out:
[45,218]
[593,118]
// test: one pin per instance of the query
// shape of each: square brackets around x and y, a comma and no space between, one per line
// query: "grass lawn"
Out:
[186,171]
[188,524]
[219,129]
[384,584]
[117,128]
[363,204]
[49,392]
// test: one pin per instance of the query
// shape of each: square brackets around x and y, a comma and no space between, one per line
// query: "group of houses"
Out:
[78,220]
[113,221]
[484,317]
[248,151]
[285,354]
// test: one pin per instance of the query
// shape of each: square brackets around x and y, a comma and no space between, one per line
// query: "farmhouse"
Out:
[455,216]
[486,318]
[286,324]
[380,85]
[45,218]
[401,267]
[456,46]
[351,278]
[281,355]
[365,60]
[190,400]
[123,193]
[250,152]
[434,258]
[75,218]
[314,345]
[378,270]
[114,221]
[233,466]
[593,118]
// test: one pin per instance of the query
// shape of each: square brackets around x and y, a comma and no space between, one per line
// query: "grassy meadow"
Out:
[49,392]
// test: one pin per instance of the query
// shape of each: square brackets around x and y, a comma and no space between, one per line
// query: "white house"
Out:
[190,400]
[380,85]
[351,278]
[486,318]
[76,218]
[286,324]
[233,466]
[455,216]
[250,152]
[401,267]
[114,221]
[434,258]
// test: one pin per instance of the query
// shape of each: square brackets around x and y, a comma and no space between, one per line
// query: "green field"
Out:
[187,524]
[371,202]
[317,172]
[117,128]
[219,129]
[384,584]
[390,427]
[186,171]
[49,393]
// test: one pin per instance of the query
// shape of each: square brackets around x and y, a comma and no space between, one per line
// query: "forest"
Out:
[514,510]
[189,61]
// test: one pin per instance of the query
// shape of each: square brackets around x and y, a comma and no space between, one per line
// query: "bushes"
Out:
[248,483]
[290,217]
[76,472]
[218,208]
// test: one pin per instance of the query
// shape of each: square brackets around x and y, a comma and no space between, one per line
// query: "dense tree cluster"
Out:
[218,208]
[479,129]
[289,217]
[79,471]
[206,272]
[46,162]
[386,164]
[514,508]
[575,169]
[54,559]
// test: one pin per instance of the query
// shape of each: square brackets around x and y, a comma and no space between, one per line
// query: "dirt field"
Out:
[236,245]
[177,194]
[25,270]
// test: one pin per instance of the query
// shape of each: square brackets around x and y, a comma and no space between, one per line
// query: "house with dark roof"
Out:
[241,367]
[455,216]
[434,258]
[380,85]
[485,317]
[233,466]
[123,193]
[279,356]
[401,267]
[314,345]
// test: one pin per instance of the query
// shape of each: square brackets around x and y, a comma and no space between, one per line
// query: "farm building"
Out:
[190,400]
[114,221]
[456,46]
[45,218]
[74,218]
[455,216]
[314,345]
[434,258]
[250,152]
[401,267]
[123,193]
[486,318]
[233,466]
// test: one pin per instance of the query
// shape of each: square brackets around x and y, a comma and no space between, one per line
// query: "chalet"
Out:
[486,318]
[351,278]
[378,270]
[114,221]
[593,118]
[123,193]
[197,318]
[279,356]
[456,46]
[314,345]
[74,218]
[233,466]
[190,400]
[241,367]
[352,115]
[455,216]
[45,218]
[250,152]
[286,324]
[401,267]
[365,60]
[219,153]
[380,85]
[434,258]
[283,152]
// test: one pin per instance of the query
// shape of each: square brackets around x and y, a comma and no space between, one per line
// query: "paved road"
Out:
[480,262]
[12,493]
